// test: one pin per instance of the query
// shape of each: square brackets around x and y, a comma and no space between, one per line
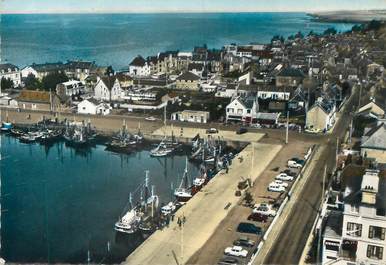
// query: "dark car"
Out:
[244,242]
[228,261]
[249,228]
[241,130]
[289,172]
[257,217]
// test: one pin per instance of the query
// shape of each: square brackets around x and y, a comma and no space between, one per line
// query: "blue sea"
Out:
[115,39]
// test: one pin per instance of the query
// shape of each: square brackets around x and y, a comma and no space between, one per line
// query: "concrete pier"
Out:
[204,212]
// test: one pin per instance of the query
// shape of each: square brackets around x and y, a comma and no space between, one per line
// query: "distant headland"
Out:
[359,16]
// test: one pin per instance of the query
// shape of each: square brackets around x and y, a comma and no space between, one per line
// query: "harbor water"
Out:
[60,204]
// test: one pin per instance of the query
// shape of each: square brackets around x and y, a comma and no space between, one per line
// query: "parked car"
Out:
[241,130]
[264,209]
[211,130]
[283,176]
[228,261]
[257,217]
[236,251]
[249,228]
[293,164]
[289,172]
[280,182]
[244,242]
[275,187]
[151,118]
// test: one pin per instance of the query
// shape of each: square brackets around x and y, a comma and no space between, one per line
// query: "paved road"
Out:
[293,236]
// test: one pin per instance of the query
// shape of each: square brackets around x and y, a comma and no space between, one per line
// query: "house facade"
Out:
[194,116]
[38,100]
[139,67]
[69,88]
[94,107]
[188,81]
[108,89]
[11,72]
[373,143]
[321,116]
[358,236]
[289,77]
[242,109]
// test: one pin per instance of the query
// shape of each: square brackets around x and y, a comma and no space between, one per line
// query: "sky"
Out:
[137,6]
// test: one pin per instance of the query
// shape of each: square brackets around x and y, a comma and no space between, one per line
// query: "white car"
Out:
[264,209]
[280,182]
[151,118]
[293,164]
[275,187]
[284,176]
[236,251]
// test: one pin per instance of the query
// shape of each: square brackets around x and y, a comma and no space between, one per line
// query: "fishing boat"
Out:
[49,136]
[6,126]
[129,222]
[78,134]
[149,208]
[17,132]
[161,150]
[30,137]
[183,193]
[168,208]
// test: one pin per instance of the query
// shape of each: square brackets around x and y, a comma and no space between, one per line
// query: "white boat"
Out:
[168,208]
[30,137]
[6,126]
[183,193]
[129,222]
[161,150]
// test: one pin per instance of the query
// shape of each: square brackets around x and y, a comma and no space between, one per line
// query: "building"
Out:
[69,88]
[93,106]
[321,116]
[373,143]
[371,109]
[242,109]
[289,77]
[108,89]
[188,81]
[139,67]
[42,70]
[10,72]
[38,100]
[79,70]
[194,116]
[356,235]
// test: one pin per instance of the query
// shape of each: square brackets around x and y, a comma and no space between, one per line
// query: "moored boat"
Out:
[183,193]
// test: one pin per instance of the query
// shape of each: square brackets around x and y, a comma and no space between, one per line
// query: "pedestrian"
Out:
[172,217]
[183,219]
[289,195]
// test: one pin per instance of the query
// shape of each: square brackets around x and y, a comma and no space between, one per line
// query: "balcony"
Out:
[348,250]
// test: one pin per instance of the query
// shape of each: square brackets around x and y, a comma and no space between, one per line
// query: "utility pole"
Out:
[360,95]
[286,131]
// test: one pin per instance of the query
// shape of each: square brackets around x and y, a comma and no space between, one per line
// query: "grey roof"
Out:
[291,72]
[48,67]
[6,66]
[80,64]
[108,81]
[375,138]
[326,105]
[138,61]
[334,223]
[188,76]
[247,101]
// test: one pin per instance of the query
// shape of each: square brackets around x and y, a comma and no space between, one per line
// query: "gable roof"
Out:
[48,67]
[188,76]
[375,138]
[324,104]
[138,61]
[6,66]
[291,72]
[109,81]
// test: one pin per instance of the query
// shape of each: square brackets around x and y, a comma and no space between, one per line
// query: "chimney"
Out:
[369,186]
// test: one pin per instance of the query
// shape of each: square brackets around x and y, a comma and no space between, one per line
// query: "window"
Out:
[248,111]
[354,229]
[374,252]
[377,232]
[355,208]
[239,111]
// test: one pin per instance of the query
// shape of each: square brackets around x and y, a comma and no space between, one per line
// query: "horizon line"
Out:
[64,12]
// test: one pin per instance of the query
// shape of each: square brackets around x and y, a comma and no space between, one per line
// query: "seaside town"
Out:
[289,137]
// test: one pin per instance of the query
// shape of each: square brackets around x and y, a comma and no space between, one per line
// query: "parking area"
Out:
[226,233]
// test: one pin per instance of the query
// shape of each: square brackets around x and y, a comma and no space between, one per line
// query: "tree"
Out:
[330,31]
[357,28]
[52,79]
[6,83]
[299,35]
[374,25]
[109,71]
[31,82]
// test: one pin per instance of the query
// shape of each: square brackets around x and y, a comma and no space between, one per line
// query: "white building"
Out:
[195,116]
[28,70]
[11,72]
[70,88]
[139,67]
[108,88]
[92,106]
[242,109]
[357,235]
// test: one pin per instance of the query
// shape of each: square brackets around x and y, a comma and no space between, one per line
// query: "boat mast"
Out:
[146,188]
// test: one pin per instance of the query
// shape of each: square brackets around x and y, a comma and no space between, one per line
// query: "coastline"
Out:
[348,16]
